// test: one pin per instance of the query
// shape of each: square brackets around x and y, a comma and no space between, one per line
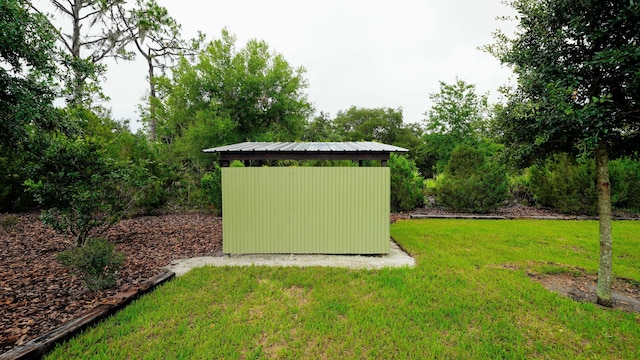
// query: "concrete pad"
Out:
[396,258]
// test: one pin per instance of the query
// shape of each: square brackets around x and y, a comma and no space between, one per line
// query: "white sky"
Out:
[362,53]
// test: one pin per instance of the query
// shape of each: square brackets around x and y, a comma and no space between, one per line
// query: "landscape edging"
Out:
[509,217]
[38,347]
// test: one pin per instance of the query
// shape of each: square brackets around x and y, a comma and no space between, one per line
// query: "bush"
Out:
[520,188]
[96,262]
[568,187]
[83,190]
[571,187]
[407,186]
[624,175]
[212,187]
[471,183]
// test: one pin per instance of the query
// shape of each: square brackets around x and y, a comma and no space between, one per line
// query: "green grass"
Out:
[459,302]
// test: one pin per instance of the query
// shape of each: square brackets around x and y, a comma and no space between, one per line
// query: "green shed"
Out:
[305,210]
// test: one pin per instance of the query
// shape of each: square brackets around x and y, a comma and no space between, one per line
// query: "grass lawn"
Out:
[459,302]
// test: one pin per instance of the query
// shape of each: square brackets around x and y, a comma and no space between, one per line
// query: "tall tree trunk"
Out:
[153,122]
[75,53]
[605,276]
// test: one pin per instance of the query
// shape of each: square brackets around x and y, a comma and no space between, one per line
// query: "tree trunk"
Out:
[75,53]
[605,276]
[153,123]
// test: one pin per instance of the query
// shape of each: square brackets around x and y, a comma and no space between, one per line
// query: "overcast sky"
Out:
[362,53]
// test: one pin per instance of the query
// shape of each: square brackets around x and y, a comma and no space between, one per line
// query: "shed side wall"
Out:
[328,210]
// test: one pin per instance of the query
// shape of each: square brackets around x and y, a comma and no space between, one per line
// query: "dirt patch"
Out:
[37,294]
[582,287]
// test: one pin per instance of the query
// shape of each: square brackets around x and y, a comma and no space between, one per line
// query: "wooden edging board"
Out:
[38,347]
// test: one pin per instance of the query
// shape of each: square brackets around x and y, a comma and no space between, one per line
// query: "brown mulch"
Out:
[37,294]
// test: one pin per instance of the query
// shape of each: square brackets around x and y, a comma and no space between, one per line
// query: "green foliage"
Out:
[363,124]
[26,78]
[625,184]
[212,186]
[321,128]
[96,262]
[458,116]
[520,187]
[27,73]
[82,190]
[458,111]
[570,187]
[562,184]
[471,183]
[407,186]
[578,84]
[252,91]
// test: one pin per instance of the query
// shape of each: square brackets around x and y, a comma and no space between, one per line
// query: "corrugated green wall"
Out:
[327,210]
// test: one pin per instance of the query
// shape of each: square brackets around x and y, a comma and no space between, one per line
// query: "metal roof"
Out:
[298,147]
[305,151]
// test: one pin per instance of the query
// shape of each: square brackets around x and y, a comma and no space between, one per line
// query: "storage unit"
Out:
[325,210]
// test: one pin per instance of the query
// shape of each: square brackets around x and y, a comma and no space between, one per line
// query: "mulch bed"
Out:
[37,294]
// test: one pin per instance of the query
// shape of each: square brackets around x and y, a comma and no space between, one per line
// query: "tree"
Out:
[156,36]
[27,72]
[458,116]
[472,183]
[83,190]
[247,94]
[458,111]
[363,124]
[95,26]
[578,91]
[321,128]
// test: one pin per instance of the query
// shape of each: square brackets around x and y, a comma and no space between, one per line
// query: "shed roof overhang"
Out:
[305,151]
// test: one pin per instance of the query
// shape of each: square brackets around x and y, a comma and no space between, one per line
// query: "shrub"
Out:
[212,187]
[96,262]
[520,187]
[624,175]
[471,183]
[562,184]
[83,190]
[407,186]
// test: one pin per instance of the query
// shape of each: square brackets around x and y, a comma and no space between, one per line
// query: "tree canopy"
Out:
[458,111]
[365,124]
[27,69]
[229,95]
[578,80]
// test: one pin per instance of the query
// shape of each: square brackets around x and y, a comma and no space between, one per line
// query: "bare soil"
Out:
[37,294]
[582,287]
